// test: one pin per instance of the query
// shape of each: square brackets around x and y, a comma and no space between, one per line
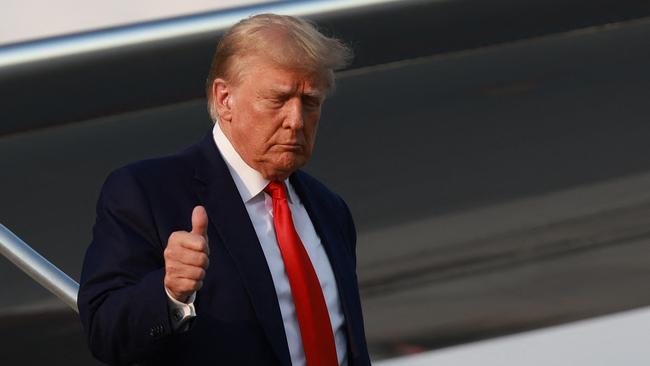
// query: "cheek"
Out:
[253,129]
[257,139]
[310,131]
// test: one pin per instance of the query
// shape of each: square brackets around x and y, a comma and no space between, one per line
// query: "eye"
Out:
[275,102]
[311,102]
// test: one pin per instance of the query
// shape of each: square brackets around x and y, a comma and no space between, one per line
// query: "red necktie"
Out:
[311,310]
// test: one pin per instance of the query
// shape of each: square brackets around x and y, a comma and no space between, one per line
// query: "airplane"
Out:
[494,154]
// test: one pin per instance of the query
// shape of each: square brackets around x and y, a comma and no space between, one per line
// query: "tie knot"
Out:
[276,190]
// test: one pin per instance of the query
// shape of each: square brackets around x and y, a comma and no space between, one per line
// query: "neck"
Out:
[260,166]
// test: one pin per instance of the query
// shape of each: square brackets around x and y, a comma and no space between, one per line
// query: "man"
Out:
[226,253]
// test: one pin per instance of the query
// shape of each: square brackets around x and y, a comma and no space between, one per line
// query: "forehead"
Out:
[260,73]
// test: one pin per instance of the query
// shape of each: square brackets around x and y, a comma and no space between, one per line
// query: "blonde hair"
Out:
[287,41]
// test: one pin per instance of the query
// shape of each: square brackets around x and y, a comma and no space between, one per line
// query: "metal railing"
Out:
[38,268]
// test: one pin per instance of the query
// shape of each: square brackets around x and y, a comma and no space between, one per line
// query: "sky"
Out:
[22,20]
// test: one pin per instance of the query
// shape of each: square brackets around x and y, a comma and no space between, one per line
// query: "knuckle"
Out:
[197,273]
[171,268]
[203,244]
[169,253]
[169,273]
[204,261]
[177,238]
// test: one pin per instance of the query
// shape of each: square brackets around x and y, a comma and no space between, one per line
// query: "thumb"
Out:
[200,221]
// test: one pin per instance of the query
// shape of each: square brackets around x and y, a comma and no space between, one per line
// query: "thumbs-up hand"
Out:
[186,257]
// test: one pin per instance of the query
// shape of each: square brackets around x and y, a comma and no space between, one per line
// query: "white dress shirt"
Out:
[259,205]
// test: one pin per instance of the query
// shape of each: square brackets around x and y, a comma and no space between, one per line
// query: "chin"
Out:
[283,167]
[292,161]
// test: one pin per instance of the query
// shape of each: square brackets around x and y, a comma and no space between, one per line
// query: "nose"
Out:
[294,114]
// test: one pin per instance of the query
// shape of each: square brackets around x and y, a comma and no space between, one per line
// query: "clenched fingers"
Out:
[186,260]
[186,256]
[179,270]
[187,240]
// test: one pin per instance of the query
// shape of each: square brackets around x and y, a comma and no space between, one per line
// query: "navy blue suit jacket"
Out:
[122,301]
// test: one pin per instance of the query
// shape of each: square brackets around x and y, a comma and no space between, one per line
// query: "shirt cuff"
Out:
[182,313]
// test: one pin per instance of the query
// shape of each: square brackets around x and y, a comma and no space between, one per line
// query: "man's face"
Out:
[271,116]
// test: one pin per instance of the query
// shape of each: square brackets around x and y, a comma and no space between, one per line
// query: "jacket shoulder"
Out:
[331,199]
[316,186]
[159,167]
[149,186]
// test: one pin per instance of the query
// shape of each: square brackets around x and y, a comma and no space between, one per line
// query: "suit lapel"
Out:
[227,213]
[326,227]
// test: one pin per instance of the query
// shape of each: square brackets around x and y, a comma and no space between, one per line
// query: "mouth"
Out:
[289,147]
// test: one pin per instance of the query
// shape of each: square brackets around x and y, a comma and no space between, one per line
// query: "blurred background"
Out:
[495,154]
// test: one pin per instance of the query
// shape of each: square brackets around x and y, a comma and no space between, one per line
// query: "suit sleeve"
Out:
[122,301]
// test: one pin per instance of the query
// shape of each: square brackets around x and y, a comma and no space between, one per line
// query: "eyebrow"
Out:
[279,91]
[314,93]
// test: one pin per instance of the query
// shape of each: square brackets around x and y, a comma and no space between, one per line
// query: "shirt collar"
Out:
[249,181]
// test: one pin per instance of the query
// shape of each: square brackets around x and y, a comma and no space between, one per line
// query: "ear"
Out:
[222,99]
